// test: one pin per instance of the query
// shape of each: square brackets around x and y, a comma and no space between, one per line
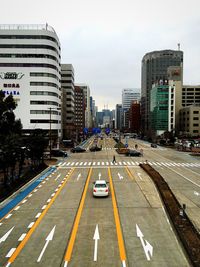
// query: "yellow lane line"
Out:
[129,173]
[117,220]
[70,246]
[30,232]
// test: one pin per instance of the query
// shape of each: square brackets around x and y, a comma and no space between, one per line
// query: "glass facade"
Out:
[159,108]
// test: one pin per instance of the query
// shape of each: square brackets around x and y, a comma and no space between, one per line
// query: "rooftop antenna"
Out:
[178,46]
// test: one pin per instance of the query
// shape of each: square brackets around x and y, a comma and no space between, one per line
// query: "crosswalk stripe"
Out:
[129,163]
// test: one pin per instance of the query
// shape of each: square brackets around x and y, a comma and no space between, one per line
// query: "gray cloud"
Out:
[106,40]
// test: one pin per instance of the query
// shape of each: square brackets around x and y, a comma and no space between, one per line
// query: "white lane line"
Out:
[18,207]
[98,163]
[107,163]
[81,163]
[30,195]
[48,200]
[44,207]
[94,163]
[133,163]
[57,177]
[53,194]
[21,237]
[8,216]
[12,250]
[35,190]
[40,186]
[128,163]
[120,163]
[0,224]
[68,163]
[24,201]
[186,178]
[89,163]
[76,163]
[103,163]
[85,163]
[31,224]
[38,215]
[72,164]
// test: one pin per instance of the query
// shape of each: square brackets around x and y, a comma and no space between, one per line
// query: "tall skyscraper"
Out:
[118,117]
[154,69]
[67,84]
[30,71]
[86,91]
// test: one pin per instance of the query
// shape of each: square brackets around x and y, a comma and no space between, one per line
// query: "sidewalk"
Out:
[28,174]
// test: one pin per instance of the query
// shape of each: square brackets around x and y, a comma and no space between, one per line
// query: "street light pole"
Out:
[50,134]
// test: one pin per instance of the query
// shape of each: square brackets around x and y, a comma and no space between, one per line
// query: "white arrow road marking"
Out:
[78,176]
[139,174]
[48,239]
[3,239]
[120,176]
[148,249]
[99,176]
[196,193]
[96,238]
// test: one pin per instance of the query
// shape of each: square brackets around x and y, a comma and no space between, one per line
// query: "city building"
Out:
[86,91]
[166,103]
[154,69]
[118,116]
[129,95]
[190,120]
[159,109]
[134,117]
[30,71]
[67,85]
[190,95]
[79,110]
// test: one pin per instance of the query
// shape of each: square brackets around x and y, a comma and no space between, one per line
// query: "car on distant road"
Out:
[78,149]
[100,188]
[133,153]
[95,148]
[153,145]
[58,153]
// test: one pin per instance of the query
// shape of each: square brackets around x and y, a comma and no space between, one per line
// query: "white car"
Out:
[100,188]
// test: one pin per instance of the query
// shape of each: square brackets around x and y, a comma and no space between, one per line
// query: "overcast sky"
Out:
[105,40]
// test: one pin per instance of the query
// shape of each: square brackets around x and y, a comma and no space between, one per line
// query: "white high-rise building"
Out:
[30,71]
[129,95]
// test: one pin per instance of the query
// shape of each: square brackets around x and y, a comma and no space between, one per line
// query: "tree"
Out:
[10,134]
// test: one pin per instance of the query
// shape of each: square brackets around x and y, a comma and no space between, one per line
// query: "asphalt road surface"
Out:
[60,223]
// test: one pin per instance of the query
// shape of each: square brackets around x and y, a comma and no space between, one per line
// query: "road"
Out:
[59,223]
